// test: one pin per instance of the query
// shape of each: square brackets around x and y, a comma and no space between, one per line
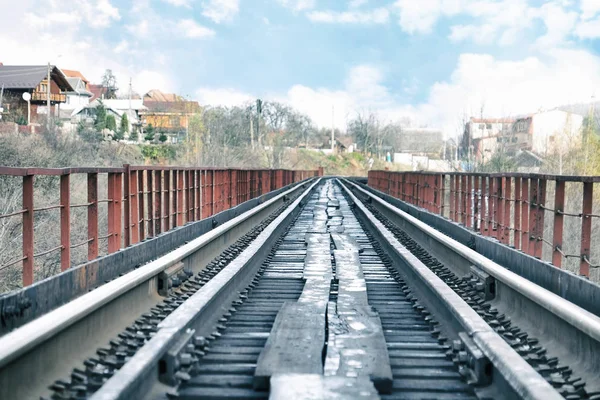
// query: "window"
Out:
[174,121]
[481,126]
[488,126]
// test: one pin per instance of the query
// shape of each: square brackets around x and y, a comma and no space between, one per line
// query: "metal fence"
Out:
[546,216]
[133,203]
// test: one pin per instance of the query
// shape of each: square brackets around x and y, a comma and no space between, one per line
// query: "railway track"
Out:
[327,291]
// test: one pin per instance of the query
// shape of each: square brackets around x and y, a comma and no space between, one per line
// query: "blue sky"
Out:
[430,62]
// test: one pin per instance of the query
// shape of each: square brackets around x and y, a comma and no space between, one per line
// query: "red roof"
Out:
[75,74]
[97,91]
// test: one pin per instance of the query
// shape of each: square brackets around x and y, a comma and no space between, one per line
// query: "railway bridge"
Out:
[200,283]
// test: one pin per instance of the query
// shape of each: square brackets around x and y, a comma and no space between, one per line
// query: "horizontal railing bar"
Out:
[43,253]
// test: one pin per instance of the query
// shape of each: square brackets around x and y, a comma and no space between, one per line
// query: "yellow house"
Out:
[167,112]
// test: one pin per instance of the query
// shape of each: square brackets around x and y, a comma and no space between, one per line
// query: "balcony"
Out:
[54,97]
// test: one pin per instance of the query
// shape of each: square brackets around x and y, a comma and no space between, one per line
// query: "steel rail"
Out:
[32,334]
[134,375]
[521,377]
[576,316]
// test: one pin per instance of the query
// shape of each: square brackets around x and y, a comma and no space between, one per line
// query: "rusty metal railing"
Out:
[140,202]
[526,211]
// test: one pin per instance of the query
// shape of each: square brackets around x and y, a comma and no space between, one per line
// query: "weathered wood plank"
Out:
[295,344]
[357,345]
[345,242]
[310,387]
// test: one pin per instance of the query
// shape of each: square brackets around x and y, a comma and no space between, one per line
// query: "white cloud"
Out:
[191,29]
[145,80]
[376,16]
[507,88]
[499,21]
[222,97]
[589,8]
[421,16]
[357,3]
[298,5]
[179,3]
[559,24]
[140,29]
[588,29]
[122,47]
[220,10]
[501,87]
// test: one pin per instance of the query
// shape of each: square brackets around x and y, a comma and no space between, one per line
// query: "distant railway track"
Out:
[324,289]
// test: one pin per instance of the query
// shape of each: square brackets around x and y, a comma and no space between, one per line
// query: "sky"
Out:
[431,62]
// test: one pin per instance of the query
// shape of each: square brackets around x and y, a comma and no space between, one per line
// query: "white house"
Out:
[548,131]
[80,96]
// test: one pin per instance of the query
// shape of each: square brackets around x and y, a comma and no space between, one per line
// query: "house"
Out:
[98,91]
[114,107]
[18,80]
[547,131]
[482,135]
[80,96]
[134,108]
[167,112]
[420,141]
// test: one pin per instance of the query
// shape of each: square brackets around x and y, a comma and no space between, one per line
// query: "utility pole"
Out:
[258,113]
[332,130]
[251,132]
[48,97]
[1,98]
[129,113]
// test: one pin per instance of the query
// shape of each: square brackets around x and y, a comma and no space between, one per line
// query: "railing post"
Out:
[198,194]
[517,216]
[452,199]
[476,199]
[533,211]
[586,228]
[500,201]
[150,199]
[28,261]
[180,195]
[127,205]
[539,223]
[526,198]
[133,207]
[115,185]
[507,191]
[557,234]
[233,187]
[469,202]
[485,202]
[191,191]
[464,199]
[65,222]
[141,208]
[167,207]
[158,202]
[495,202]
[92,215]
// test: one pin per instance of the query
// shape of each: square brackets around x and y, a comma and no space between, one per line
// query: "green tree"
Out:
[124,128]
[149,133]
[100,123]
[163,137]
[133,135]
[111,123]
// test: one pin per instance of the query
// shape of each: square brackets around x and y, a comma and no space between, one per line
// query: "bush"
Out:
[111,123]
[163,137]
